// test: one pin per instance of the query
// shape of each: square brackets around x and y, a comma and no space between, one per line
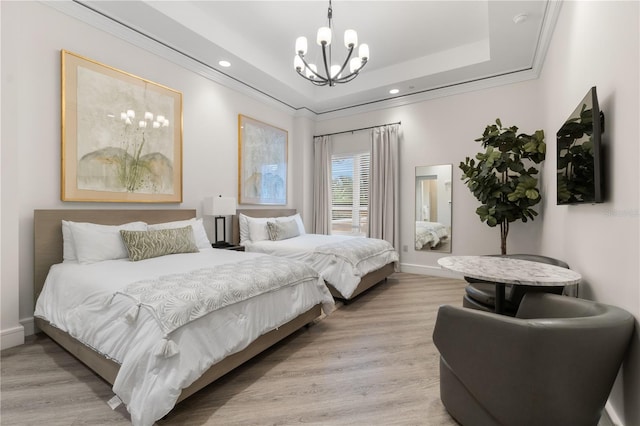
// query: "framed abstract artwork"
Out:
[121,136]
[262,163]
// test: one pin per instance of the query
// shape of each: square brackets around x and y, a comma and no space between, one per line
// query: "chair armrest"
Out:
[481,348]
[492,357]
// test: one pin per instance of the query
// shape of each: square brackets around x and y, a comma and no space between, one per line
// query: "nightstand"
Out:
[229,247]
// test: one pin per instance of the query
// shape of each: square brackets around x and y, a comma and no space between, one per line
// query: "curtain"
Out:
[322,185]
[384,186]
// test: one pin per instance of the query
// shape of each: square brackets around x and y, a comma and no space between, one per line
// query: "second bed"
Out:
[348,265]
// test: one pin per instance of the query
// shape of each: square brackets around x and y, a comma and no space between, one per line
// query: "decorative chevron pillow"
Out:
[282,230]
[160,242]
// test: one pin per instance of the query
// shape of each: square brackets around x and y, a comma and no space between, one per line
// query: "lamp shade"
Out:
[310,74]
[324,36]
[354,64]
[363,51]
[350,38]
[220,206]
[301,45]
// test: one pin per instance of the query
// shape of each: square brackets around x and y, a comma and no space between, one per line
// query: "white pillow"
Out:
[258,229]
[257,223]
[68,248]
[243,224]
[245,229]
[199,233]
[95,243]
[298,220]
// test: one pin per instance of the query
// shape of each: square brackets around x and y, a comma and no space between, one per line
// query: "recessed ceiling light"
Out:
[520,18]
[394,91]
[224,64]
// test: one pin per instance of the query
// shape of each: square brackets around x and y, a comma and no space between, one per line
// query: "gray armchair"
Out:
[553,364]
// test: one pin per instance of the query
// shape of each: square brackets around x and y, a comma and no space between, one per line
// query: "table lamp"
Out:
[220,207]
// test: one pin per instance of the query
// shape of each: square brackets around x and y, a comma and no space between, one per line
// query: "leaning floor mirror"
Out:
[433,208]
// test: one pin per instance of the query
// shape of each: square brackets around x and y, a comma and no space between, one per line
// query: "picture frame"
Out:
[262,162]
[121,135]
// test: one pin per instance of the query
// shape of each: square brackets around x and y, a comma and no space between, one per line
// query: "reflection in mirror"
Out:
[433,208]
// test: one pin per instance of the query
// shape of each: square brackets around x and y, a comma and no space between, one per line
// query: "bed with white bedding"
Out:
[349,265]
[163,327]
[430,234]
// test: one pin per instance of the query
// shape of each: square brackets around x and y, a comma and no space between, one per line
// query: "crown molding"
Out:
[435,93]
[99,21]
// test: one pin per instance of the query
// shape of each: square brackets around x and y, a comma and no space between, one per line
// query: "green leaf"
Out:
[502,177]
[531,194]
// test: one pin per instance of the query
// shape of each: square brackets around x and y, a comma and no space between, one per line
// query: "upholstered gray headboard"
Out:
[47,231]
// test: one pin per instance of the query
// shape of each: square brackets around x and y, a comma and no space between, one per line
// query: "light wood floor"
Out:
[371,362]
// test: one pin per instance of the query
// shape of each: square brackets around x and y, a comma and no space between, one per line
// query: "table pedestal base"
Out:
[499,298]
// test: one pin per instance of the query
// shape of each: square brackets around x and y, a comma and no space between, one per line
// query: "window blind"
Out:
[350,193]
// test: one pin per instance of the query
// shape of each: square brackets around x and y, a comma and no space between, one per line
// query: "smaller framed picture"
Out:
[262,163]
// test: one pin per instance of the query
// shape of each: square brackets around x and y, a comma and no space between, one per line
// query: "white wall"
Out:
[32,36]
[11,332]
[596,44]
[442,131]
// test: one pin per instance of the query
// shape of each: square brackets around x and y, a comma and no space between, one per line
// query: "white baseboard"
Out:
[427,270]
[12,337]
[29,326]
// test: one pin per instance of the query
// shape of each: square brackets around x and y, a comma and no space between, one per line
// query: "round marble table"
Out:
[504,270]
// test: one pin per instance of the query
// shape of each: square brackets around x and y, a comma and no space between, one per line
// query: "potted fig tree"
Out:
[503,177]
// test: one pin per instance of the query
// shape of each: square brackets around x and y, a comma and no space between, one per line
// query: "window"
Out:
[350,194]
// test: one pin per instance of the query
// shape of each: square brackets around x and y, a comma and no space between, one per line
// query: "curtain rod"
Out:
[357,130]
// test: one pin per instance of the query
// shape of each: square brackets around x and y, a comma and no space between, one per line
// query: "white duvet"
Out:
[429,234]
[73,300]
[342,274]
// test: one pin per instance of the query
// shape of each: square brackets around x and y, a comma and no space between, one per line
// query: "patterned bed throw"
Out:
[357,250]
[177,299]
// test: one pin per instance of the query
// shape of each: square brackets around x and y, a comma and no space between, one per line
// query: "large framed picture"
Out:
[262,163]
[121,136]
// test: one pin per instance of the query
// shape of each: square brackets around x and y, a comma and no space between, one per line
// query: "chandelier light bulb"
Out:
[354,64]
[148,116]
[324,36]
[350,38]
[335,70]
[301,45]
[310,73]
[131,113]
[363,52]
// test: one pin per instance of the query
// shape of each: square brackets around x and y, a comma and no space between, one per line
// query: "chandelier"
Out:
[332,73]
